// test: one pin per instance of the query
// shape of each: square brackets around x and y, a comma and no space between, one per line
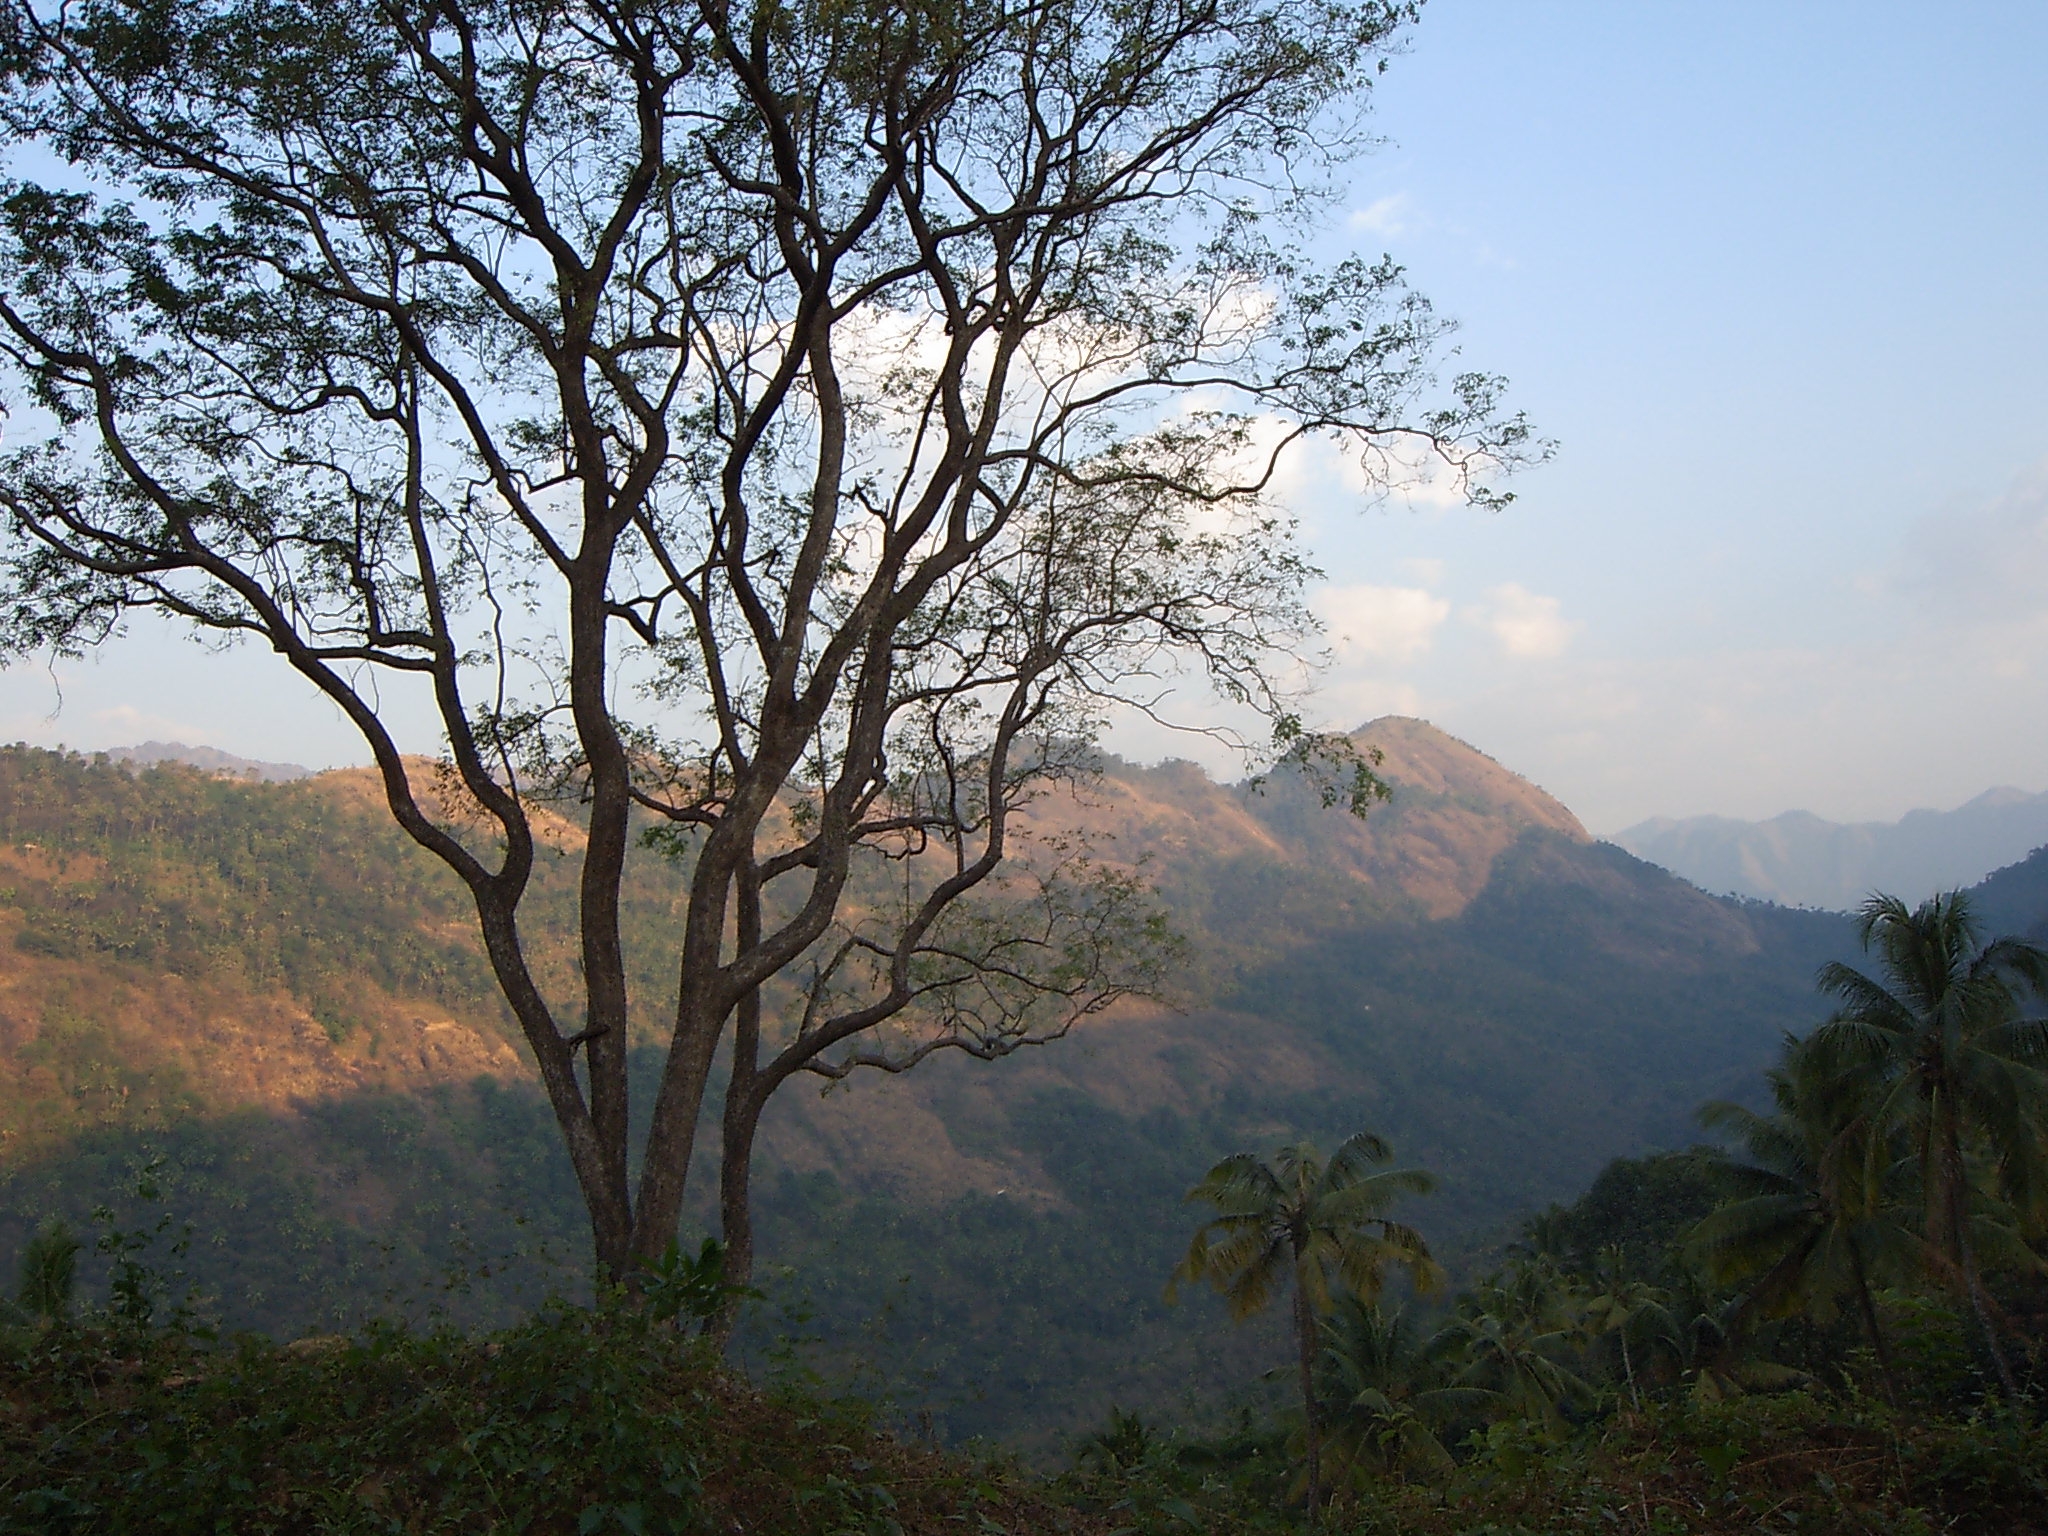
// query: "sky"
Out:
[1772,277]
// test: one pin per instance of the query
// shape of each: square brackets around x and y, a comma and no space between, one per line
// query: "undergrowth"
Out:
[590,1422]
[575,1422]
[1797,1464]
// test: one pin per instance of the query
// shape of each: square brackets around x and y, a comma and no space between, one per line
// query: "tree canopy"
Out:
[782,431]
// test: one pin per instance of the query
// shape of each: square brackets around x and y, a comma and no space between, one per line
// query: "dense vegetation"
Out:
[574,1422]
[1579,1008]
[1570,1008]
[1513,1412]
[1856,1286]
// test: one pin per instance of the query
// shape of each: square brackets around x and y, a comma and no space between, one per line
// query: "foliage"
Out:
[1800,1462]
[1390,1397]
[1638,1210]
[1302,1222]
[1816,1213]
[1946,1053]
[796,428]
[1311,1227]
[49,1272]
[574,1422]
[681,1288]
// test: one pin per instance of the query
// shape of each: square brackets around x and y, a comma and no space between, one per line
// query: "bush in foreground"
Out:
[1796,1464]
[576,1422]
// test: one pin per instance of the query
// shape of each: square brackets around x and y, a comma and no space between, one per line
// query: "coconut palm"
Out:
[1511,1337]
[1618,1304]
[1819,1213]
[1953,1057]
[1315,1227]
[1389,1396]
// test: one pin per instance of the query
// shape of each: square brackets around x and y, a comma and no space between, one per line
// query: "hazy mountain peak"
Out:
[1802,859]
[211,759]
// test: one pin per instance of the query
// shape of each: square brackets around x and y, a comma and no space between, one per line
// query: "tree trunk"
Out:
[606,833]
[1628,1367]
[742,1118]
[1870,1323]
[1955,1215]
[1305,1339]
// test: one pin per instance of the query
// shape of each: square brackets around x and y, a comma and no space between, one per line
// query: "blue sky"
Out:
[1773,276]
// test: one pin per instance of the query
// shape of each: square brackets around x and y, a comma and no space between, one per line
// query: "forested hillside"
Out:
[264,986]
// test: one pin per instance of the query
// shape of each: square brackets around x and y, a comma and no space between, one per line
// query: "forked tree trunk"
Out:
[741,1119]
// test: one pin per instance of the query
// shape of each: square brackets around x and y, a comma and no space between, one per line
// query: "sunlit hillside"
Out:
[266,986]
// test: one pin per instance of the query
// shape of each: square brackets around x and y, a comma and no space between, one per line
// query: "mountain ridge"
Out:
[1466,971]
[1801,859]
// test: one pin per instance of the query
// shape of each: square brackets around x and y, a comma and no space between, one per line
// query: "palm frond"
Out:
[1355,1159]
[1238,1182]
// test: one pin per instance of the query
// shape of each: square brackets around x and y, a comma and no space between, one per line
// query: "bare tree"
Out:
[786,428]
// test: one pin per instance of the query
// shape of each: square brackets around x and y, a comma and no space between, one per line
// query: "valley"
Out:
[264,987]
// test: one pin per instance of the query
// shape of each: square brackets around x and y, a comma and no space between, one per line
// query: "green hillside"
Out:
[265,987]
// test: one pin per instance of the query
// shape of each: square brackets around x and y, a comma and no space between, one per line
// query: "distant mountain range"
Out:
[208,759]
[1800,859]
[263,985]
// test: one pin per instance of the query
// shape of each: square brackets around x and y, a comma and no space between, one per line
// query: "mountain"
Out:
[2015,899]
[212,759]
[265,992]
[1801,860]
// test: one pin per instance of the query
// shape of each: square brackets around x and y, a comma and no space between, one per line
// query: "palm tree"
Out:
[1620,1305]
[1311,1224]
[1951,1055]
[1510,1337]
[1817,1213]
[1392,1396]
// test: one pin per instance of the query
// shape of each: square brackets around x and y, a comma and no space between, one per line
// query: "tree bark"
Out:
[742,1117]
[1305,1339]
[1871,1325]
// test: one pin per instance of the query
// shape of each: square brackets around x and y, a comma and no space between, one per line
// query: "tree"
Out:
[1816,1214]
[1511,1335]
[1618,1304]
[1313,1226]
[1952,1058]
[781,431]
[1390,1394]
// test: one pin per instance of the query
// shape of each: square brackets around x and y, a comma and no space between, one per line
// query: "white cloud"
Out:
[1388,217]
[1391,623]
[1525,623]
